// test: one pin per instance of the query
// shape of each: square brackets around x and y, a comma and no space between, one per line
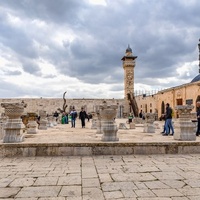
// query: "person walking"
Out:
[82,116]
[130,118]
[198,119]
[168,118]
[73,115]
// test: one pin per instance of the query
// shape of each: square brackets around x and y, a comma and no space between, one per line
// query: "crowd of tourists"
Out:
[72,117]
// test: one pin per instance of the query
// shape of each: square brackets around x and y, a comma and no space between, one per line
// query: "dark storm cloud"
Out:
[31,67]
[59,11]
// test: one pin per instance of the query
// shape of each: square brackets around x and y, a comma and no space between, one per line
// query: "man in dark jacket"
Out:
[82,116]
[168,118]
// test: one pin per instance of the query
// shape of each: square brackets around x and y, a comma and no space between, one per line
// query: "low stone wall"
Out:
[91,149]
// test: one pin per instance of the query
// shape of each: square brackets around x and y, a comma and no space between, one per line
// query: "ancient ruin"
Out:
[185,128]
[14,128]
[108,125]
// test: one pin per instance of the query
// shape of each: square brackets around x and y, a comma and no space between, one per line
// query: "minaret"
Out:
[128,65]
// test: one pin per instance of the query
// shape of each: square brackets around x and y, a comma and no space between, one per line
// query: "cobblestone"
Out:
[129,177]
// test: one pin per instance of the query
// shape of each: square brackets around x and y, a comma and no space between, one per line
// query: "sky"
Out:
[48,47]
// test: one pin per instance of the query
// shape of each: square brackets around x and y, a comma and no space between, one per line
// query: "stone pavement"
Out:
[129,177]
[62,140]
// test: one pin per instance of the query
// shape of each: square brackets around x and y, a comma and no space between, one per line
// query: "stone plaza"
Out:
[65,163]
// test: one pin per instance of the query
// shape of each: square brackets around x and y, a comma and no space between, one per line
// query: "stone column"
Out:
[14,128]
[50,121]
[149,120]
[98,124]
[185,127]
[108,125]
[54,121]
[32,124]
[43,120]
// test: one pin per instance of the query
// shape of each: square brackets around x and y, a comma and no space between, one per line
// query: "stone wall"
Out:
[179,95]
[52,104]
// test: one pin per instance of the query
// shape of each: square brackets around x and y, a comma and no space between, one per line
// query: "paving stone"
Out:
[22,182]
[91,182]
[128,193]
[133,177]
[70,191]
[194,197]
[46,181]
[4,182]
[113,186]
[174,183]
[167,175]
[144,193]
[69,180]
[42,191]
[113,195]
[155,185]
[92,193]
[140,185]
[8,192]
[105,178]
[190,191]
[167,193]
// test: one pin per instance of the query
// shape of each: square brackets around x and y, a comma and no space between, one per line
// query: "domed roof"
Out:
[128,49]
[195,79]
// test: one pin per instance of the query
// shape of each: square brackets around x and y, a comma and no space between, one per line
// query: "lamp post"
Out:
[199,55]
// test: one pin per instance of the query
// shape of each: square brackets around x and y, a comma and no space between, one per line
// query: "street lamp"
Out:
[199,55]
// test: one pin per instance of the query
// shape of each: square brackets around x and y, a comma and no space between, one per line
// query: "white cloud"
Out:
[98,2]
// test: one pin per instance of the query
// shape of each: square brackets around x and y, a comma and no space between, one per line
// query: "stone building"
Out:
[181,95]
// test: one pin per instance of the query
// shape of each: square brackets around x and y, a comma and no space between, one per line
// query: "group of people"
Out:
[168,126]
[73,116]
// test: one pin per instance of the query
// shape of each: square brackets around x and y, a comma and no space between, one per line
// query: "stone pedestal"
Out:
[98,126]
[50,122]
[185,128]
[132,125]
[149,120]
[14,128]
[32,124]
[43,120]
[108,125]
[54,121]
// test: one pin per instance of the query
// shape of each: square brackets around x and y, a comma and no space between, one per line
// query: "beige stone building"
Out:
[181,95]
